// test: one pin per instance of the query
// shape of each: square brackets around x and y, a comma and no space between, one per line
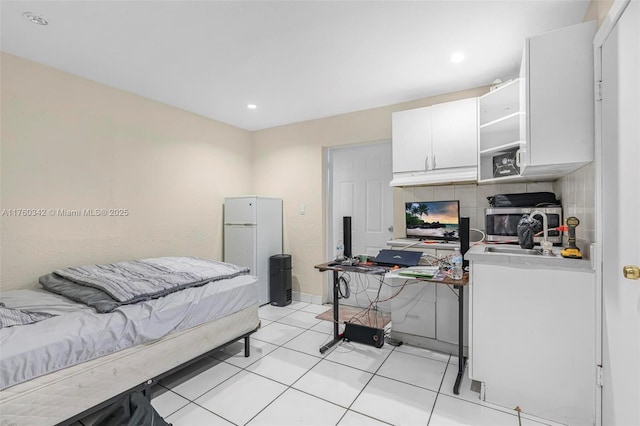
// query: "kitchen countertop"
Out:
[477,254]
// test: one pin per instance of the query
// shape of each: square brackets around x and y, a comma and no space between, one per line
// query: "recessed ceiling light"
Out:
[252,106]
[36,19]
[457,57]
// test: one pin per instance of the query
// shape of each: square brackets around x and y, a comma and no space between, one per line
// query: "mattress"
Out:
[77,334]
[55,397]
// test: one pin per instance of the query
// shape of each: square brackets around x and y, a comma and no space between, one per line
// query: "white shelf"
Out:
[499,148]
[501,123]
[501,120]
[502,179]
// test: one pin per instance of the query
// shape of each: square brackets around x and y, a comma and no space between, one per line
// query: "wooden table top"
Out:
[381,270]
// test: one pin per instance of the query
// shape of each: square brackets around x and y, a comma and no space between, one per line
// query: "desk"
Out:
[377,270]
[337,268]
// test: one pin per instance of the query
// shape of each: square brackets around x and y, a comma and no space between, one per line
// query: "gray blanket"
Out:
[108,286]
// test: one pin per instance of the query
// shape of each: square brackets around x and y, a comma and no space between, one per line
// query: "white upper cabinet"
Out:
[558,67]
[411,140]
[436,144]
[454,133]
[541,125]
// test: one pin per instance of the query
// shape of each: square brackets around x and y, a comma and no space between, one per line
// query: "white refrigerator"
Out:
[253,233]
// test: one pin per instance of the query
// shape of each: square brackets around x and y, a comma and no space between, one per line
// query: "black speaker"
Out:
[280,279]
[464,239]
[363,334]
[346,236]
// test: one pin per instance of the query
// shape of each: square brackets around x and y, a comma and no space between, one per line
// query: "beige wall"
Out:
[289,162]
[70,143]
[598,9]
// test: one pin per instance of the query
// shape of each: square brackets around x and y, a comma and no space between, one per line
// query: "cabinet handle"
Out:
[519,161]
[426,162]
[434,162]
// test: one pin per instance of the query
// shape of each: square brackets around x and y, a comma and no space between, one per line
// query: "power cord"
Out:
[344,281]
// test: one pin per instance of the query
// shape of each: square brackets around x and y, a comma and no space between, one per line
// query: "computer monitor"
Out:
[433,220]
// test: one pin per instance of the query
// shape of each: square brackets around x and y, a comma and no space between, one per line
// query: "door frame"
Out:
[327,294]
[607,26]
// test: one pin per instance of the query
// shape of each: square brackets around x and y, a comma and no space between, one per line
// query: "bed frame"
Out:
[71,394]
[145,387]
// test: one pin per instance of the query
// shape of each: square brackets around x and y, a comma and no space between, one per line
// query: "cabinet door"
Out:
[516,322]
[454,130]
[411,140]
[413,311]
[560,96]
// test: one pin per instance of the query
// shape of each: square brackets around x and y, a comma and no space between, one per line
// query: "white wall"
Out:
[70,143]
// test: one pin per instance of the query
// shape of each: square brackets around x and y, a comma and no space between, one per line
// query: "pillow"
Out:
[10,317]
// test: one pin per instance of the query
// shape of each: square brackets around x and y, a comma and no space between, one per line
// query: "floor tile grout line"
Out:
[288,386]
[504,410]
[302,328]
[499,409]
[375,373]
[215,414]
[249,372]
[493,407]
[367,384]
[266,406]
[174,411]
[209,390]
[411,384]
[363,414]
[448,363]
[435,400]
[291,325]
[350,366]
[313,366]
[315,396]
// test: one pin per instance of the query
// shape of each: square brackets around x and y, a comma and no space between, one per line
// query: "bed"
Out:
[63,367]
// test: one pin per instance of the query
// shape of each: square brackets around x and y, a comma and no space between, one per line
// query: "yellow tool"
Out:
[571,251]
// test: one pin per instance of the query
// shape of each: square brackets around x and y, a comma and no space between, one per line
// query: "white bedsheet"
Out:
[80,334]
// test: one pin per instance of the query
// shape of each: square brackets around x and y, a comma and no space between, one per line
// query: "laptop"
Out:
[398,257]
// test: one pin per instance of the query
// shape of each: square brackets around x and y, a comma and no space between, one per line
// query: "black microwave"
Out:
[501,223]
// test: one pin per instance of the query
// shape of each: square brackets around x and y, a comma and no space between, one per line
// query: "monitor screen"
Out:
[433,220]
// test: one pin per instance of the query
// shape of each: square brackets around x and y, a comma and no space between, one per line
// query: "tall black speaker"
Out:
[464,239]
[280,279]
[346,236]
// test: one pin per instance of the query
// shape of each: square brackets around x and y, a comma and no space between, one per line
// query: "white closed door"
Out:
[360,177]
[621,213]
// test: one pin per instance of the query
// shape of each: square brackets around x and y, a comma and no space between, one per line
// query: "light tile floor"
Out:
[287,381]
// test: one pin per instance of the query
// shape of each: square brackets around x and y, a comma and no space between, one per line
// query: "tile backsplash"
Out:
[576,191]
[473,199]
[578,194]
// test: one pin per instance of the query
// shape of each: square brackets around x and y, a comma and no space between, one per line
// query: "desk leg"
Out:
[336,334]
[456,387]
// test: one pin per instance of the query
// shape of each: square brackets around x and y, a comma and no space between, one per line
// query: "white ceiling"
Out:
[296,60]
